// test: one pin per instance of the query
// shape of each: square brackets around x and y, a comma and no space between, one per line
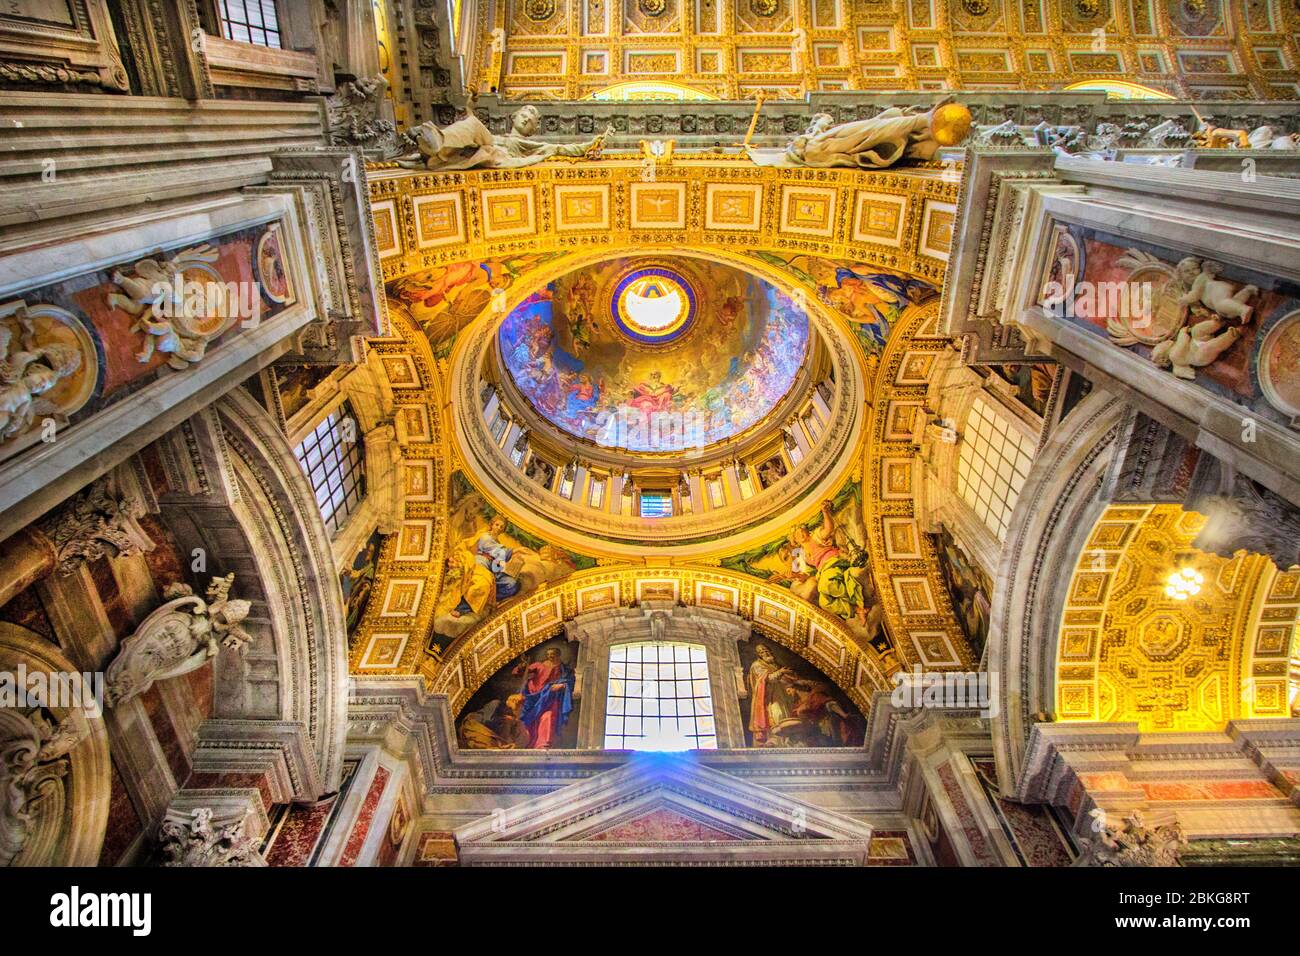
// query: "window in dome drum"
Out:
[656,504]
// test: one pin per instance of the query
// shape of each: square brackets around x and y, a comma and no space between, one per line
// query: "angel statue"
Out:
[468,144]
[895,136]
[27,373]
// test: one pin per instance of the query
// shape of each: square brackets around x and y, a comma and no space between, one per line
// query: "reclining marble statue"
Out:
[469,144]
[895,136]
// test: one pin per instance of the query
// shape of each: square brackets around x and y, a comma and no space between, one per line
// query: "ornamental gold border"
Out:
[880,446]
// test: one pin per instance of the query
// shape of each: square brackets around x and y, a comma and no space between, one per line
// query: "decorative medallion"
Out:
[539,10]
[1087,9]
[764,8]
[976,8]
[652,8]
[1279,366]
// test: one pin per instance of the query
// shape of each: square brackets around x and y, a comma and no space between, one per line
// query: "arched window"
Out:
[650,90]
[992,466]
[659,698]
[1119,90]
[333,456]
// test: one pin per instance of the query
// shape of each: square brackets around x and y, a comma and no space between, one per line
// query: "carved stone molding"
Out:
[54,763]
[98,522]
[72,47]
[33,763]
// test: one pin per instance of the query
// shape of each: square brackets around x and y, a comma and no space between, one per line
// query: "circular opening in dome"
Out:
[654,306]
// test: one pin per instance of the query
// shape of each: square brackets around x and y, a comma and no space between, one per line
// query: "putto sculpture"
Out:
[469,144]
[894,137]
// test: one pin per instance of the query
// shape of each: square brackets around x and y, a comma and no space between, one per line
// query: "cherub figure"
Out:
[1216,294]
[162,307]
[29,373]
[1195,347]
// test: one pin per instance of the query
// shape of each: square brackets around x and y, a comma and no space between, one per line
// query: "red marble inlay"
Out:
[367,815]
[1211,790]
[153,467]
[26,610]
[232,781]
[974,836]
[298,836]
[164,561]
[200,682]
[161,722]
[123,821]
[661,825]
[890,848]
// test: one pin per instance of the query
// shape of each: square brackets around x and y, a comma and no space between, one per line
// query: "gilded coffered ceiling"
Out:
[1186,659]
[1205,49]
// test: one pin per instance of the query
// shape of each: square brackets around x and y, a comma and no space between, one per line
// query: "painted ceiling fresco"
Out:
[633,338]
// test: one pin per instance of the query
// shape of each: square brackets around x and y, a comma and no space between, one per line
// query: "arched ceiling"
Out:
[866,252]
[1215,649]
[568,49]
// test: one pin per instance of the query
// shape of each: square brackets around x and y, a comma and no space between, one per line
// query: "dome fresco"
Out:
[655,355]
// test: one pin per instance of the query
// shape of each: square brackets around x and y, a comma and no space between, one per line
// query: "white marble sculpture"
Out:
[1270,137]
[29,369]
[172,318]
[33,763]
[911,135]
[1218,296]
[1132,842]
[468,144]
[197,843]
[179,637]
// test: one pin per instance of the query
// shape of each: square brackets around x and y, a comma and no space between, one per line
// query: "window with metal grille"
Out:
[659,698]
[250,21]
[333,457]
[992,466]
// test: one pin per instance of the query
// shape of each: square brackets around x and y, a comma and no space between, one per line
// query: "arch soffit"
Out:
[1057,508]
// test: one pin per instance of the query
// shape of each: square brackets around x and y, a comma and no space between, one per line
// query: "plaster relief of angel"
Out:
[1193,317]
[27,372]
[172,318]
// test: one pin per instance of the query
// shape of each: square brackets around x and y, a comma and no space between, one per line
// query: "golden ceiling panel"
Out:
[1130,649]
[897,219]
[1209,49]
